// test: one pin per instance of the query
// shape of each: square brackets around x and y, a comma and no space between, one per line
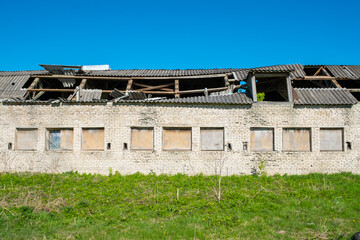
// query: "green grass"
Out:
[80,206]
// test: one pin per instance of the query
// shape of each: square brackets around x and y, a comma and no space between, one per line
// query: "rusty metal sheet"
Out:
[331,139]
[26,139]
[262,139]
[67,139]
[93,139]
[177,139]
[296,139]
[212,139]
[142,139]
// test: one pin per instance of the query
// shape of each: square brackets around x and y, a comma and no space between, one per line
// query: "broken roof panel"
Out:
[324,96]
[87,95]
[236,99]
[58,69]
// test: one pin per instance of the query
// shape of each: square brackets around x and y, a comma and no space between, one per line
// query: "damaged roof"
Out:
[236,98]
[14,84]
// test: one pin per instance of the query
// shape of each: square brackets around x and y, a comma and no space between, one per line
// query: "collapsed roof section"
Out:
[98,83]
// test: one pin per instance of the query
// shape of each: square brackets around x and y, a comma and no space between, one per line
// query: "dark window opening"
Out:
[275,89]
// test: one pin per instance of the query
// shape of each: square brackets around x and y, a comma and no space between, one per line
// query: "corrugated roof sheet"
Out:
[90,94]
[161,72]
[324,96]
[236,99]
[295,70]
[17,73]
[344,71]
[11,86]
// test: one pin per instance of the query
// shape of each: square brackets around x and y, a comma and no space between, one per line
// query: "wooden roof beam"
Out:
[316,78]
[336,83]
[149,92]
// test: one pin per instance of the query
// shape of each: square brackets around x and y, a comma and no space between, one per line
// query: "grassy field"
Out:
[80,206]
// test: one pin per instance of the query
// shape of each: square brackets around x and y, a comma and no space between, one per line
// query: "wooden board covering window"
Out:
[142,139]
[296,139]
[331,139]
[212,139]
[26,139]
[262,139]
[177,139]
[93,139]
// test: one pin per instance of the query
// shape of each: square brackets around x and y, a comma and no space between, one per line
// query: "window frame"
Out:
[177,128]
[47,139]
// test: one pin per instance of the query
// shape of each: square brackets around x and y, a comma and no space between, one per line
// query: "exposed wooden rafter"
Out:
[129,85]
[148,86]
[316,78]
[32,85]
[149,92]
[83,83]
[318,71]
[177,88]
[160,87]
[336,83]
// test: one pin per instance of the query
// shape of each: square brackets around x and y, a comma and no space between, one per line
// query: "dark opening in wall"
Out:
[275,88]
[348,145]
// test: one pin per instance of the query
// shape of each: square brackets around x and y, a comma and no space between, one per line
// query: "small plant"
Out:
[261,167]
[260,96]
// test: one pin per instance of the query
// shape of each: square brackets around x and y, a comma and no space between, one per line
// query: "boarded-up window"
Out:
[296,139]
[262,139]
[331,139]
[212,139]
[26,139]
[177,139]
[142,138]
[60,139]
[93,139]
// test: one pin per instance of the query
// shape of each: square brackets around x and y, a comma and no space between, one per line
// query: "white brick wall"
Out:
[236,120]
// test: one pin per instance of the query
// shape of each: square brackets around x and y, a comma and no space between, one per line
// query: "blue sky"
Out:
[178,34]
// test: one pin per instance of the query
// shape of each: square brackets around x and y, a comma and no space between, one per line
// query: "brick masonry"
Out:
[236,120]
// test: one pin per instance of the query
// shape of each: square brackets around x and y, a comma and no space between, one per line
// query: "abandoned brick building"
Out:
[292,119]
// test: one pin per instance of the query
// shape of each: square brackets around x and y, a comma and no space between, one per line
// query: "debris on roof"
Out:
[233,99]
[116,93]
[58,69]
[98,82]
